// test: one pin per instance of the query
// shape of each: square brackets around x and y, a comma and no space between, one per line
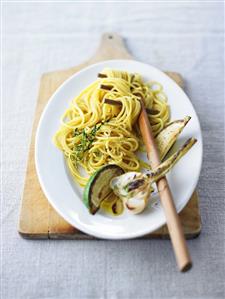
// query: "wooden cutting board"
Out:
[38,220]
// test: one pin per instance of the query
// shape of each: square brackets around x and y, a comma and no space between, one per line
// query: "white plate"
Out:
[66,197]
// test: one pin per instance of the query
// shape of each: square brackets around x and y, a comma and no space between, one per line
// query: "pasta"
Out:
[99,127]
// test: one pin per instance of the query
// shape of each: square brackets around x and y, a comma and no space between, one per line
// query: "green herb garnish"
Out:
[86,140]
[76,132]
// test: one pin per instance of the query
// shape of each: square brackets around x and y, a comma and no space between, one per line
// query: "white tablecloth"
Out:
[40,37]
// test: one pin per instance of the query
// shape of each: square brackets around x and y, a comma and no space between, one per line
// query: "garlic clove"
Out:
[137,204]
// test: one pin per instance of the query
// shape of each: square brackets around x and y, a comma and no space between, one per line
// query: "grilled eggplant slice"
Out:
[98,186]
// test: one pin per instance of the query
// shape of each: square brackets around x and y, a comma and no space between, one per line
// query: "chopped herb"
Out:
[85,143]
[76,132]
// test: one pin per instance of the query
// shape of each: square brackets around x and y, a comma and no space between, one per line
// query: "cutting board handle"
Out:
[111,46]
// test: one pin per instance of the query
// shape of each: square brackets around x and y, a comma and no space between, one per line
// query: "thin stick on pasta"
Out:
[173,222]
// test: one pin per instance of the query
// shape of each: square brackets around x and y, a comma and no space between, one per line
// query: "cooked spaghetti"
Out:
[99,127]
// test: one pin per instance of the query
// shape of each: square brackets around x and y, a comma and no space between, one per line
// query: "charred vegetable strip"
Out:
[166,166]
[100,75]
[168,136]
[112,102]
[134,188]
[106,87]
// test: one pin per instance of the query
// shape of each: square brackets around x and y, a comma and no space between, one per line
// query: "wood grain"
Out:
[38,220]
